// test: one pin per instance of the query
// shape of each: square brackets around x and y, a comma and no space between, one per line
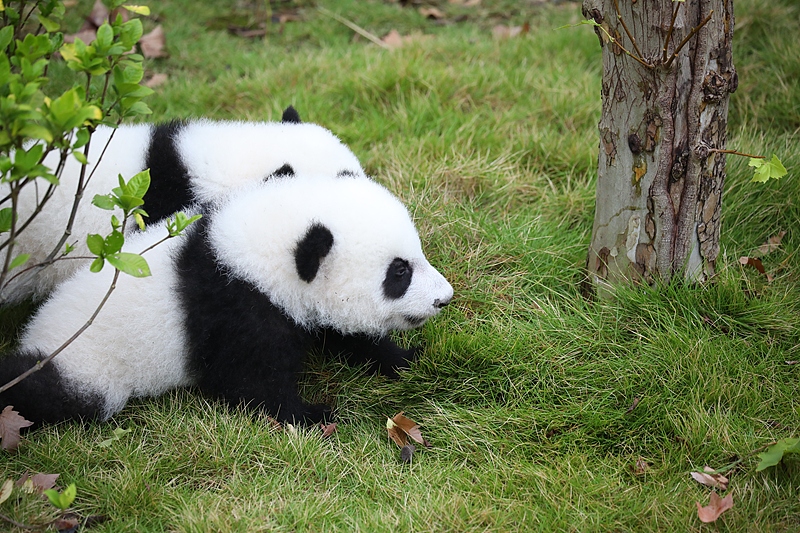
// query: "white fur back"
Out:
[224,155]
[220,156]
[136,345]
[125,155]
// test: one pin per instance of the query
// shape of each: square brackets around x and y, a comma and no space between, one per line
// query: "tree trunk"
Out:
[660,174]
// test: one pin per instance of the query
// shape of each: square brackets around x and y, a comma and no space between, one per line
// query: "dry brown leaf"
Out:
[400,428]
[393,39]
[715,508]
[10,424]
[709,478]
[86,35]
[772,244]
[640,467]
[37,483]
[327,430]
[431,13]
[156,79]
[153,43]
[756,263]
[466,3]
[506,32]
[99,14]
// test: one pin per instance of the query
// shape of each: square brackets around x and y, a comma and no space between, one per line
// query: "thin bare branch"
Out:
[688,37]
[630,35]
[669,33]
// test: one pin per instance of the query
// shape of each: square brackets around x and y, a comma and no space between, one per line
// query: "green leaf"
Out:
[6,35]
[117,435]
[774,454]
[113,243]
[80,157]
[50,25]
[6,216]
[139,10]
[97,265]
[131,264]
[19,260]
[95,243]
[105,201]
[137,186]
[64,499]
[176,226]
[764,169]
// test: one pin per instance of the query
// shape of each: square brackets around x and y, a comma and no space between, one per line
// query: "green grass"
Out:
[525,389]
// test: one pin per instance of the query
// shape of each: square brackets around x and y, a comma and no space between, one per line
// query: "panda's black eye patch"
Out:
[311,250]
[398,278]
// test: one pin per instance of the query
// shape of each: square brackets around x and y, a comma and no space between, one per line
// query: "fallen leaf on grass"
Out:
[393,39]
[156,79]
[5,490]
[756,263]
[67,523]
[153,43]
[709,478]
[10,424]
[772,244]
[640,467]
[506,32]
[431,13]
[99,14]
[86,35]
[37,483]
[400,428]
[715,507]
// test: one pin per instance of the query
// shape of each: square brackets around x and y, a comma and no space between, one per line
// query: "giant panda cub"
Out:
[196,161]
[281,267]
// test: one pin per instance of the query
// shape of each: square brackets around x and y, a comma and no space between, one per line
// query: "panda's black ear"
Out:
[291,116]
[311,250]
[284,171]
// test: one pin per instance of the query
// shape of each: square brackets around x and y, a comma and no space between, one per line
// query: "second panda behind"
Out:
[234,305]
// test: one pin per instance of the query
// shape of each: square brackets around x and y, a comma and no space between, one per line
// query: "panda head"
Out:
[339,252]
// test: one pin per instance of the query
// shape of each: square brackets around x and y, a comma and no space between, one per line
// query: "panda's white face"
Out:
[338,252]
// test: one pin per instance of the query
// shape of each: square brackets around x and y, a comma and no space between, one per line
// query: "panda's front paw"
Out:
[318,413]
[401,361]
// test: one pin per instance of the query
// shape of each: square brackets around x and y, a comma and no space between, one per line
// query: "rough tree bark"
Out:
[667,76]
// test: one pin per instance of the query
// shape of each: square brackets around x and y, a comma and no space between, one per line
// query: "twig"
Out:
[625,27]
[686,39]
[17,524]
[669,33]
[353,26]
[735,152]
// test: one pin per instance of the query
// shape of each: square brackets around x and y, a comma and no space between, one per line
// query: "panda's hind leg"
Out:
[380,354]
[45,396]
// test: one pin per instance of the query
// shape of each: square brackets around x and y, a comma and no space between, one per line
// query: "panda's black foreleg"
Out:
[44,395]
[381,354]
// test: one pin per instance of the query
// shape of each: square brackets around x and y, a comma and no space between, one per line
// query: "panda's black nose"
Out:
[438,304]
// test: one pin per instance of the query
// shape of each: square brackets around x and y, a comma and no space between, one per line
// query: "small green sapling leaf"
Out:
[64,499]
[774,454]
[766,169]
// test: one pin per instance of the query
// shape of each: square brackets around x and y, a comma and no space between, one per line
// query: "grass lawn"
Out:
[546,412]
